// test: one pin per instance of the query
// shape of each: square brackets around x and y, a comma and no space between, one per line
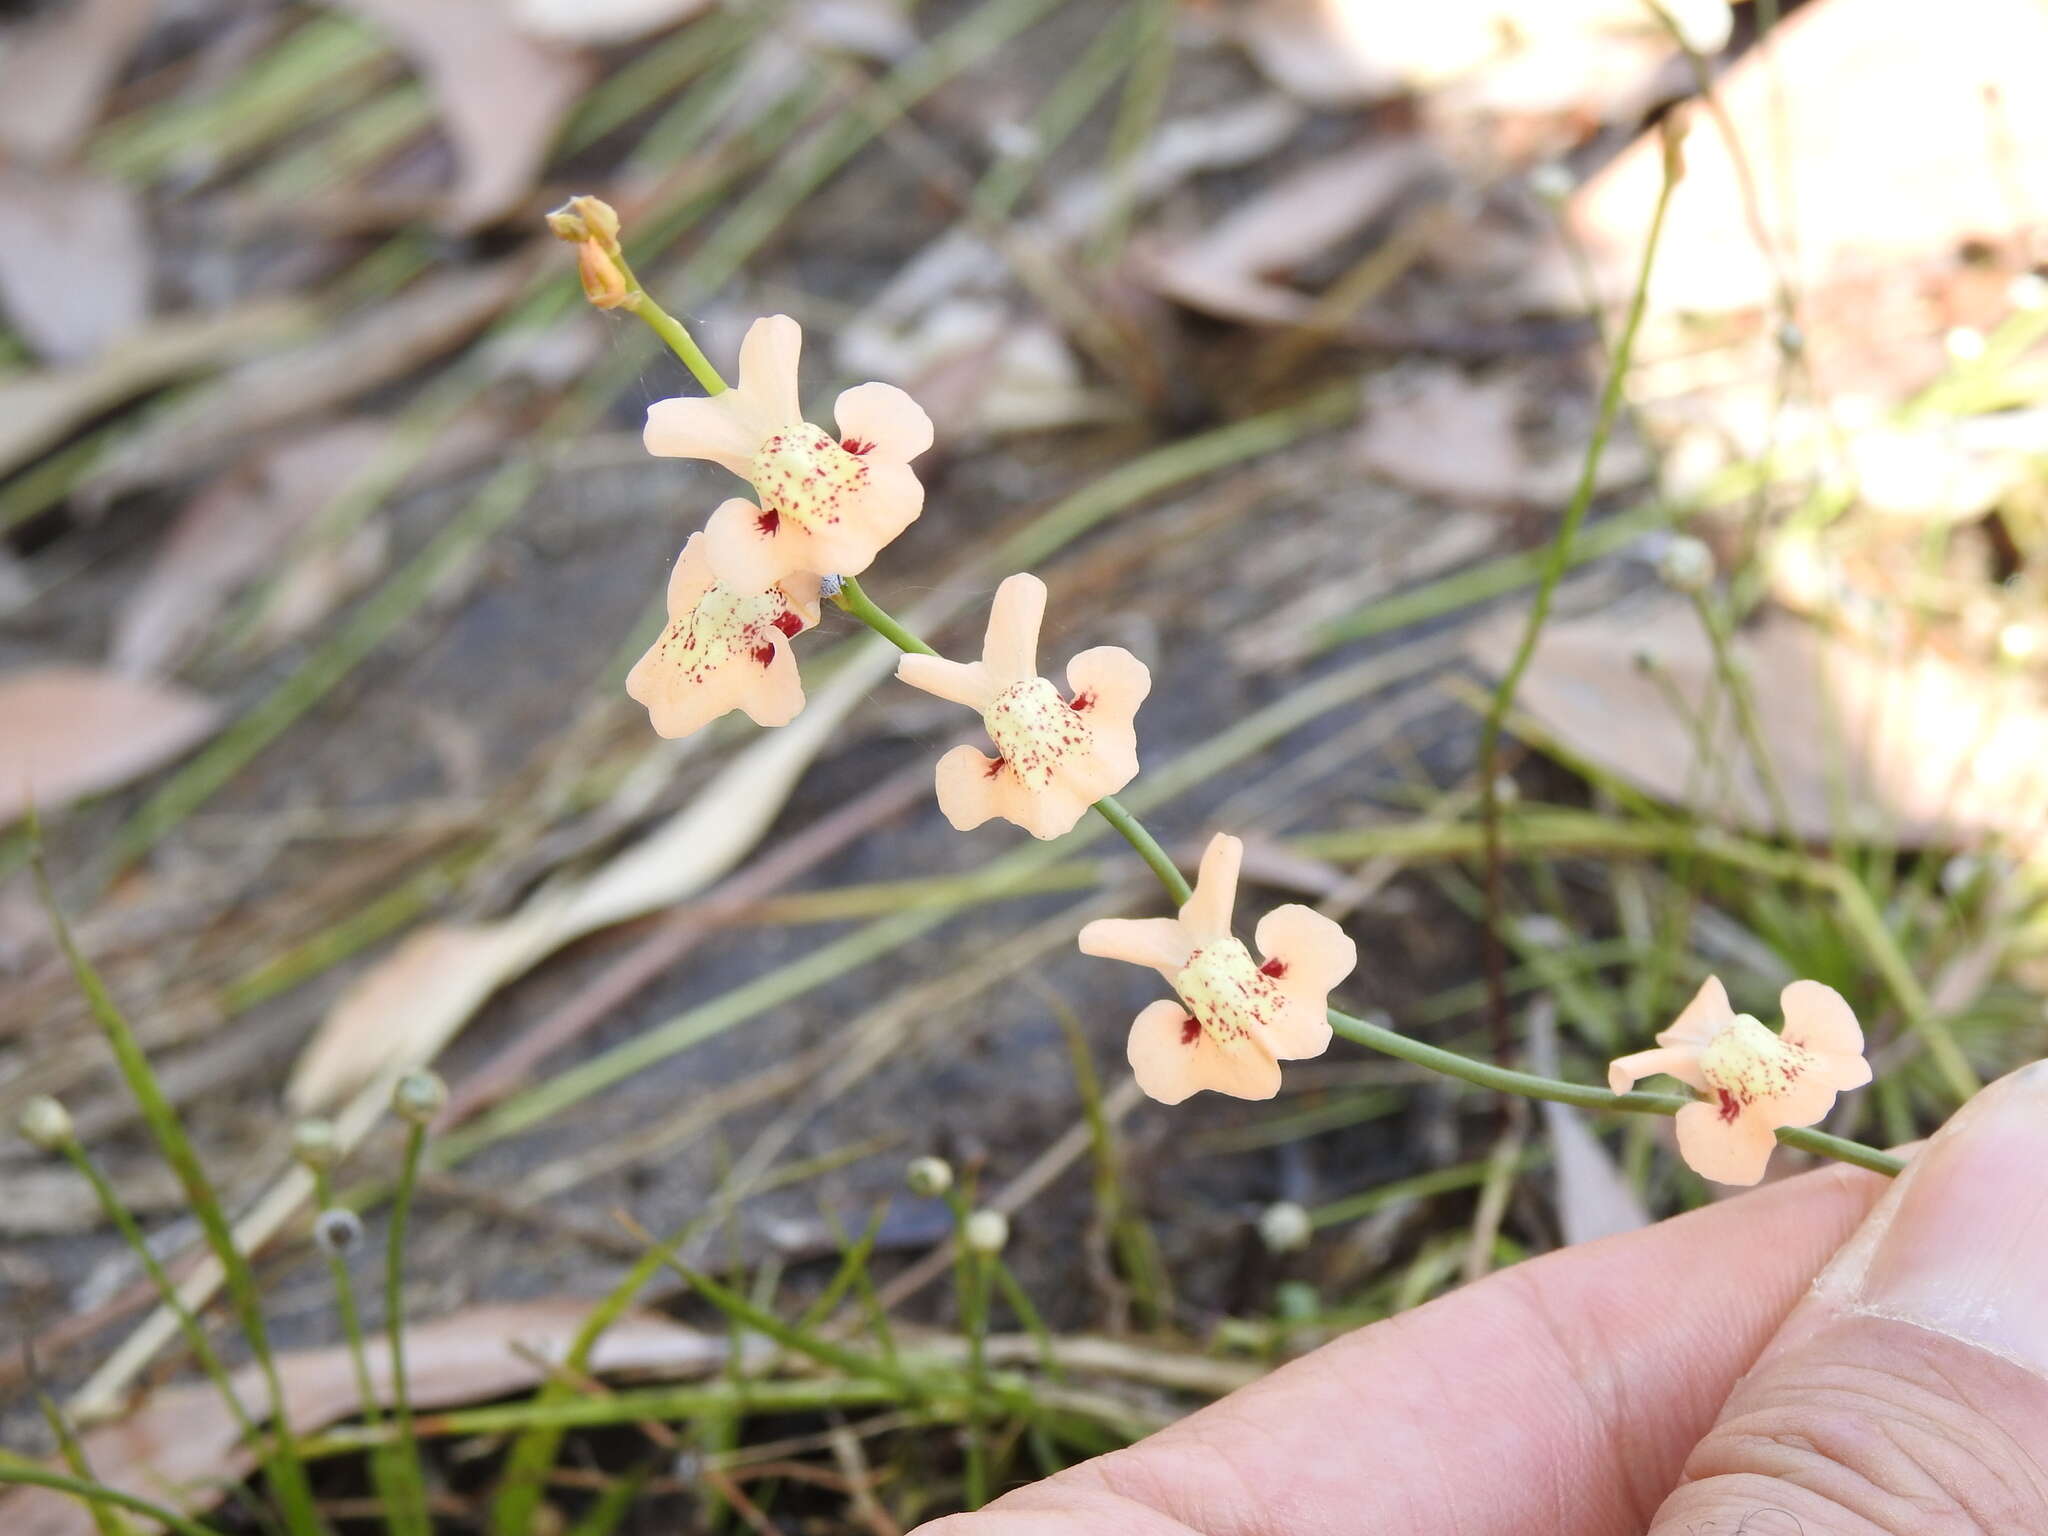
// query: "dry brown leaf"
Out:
[1228,270]
[75,731]
[74,261]
[55,72]
[602,21]
[39,409]
[502,94]
[1904,749]
[183,1439]
[388,343]
[1873,140]
[1440,431]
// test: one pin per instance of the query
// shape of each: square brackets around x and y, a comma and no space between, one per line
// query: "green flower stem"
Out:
[673,333]
[382,1474]
[13,1471]
[1377,1037]
[412,1515]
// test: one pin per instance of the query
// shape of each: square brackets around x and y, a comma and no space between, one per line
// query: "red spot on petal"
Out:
[1082,701]
[1190,1030]
[994,768]
[769,521]
[764,654]
[790,622]
[857,445]
[1274,967]
[1729,1108]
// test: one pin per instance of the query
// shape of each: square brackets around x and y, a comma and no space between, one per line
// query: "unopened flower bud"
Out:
[1551,181]
[1686,565]
[337,1232]
[592,226]
[929,1176]
[47,1124]
[985,1232]
[314,1143]
[1791,339]
[419,1096]
[1284,1227]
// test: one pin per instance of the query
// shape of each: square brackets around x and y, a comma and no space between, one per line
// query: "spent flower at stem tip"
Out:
[985,1232]
[929,1177]
[592,226]
[46,1124]
[826,504]
[1238,1018]
[1055,755]
[419,1096]
[1755,1081]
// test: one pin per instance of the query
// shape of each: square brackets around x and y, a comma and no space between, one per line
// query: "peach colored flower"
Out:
[1058,756]
[1757,1080]
[726,647]
[826,507]
[1237,1020]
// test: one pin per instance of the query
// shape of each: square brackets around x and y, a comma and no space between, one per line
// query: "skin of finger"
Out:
[1562,1394]
[1868,1426]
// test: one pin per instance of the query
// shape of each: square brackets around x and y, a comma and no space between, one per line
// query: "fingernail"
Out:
[1960,1245]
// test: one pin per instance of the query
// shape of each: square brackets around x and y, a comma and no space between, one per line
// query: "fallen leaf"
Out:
[1229,269]
[39,409]
[1909,750]
[75,731]
[183,1439]
[602,21]
[1439,431]
[362,352]
[502,94]
[54,72]
[1845,181]
[74,261]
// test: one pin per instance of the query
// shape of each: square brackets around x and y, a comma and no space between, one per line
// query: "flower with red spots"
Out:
[1756,1081]
[827,507]
[1237,1019]
[1056,756]
[726,647]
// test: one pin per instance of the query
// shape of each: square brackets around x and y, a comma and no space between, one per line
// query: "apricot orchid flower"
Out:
[726,647]
[827,506]
[1056,756]
[1237,1019]
[1757,1081]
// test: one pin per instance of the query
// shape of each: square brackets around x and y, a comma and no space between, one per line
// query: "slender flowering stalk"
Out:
[418,1098]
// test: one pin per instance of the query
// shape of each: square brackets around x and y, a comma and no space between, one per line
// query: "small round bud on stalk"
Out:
[1284,1227]
[985,1232]
[929,1176]
[314,1143]
[1505,790]
[1551,181]
[1791,339]
[47,1124]
[337,1232]
[419,1096]
[1686,565]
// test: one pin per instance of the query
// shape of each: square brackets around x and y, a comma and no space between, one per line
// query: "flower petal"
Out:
[1726,1151]
[1159,942]
[1010,648]
[872,519]
[1172,1061]
[690,578]
[959,682]
[1819,1019]
[1044,813]
[1301,1029]
[1206,913]
[1703,1017]
[769,356]
[1313,954]
[697,427]
[743,552]
[1108,684]
[885,421]
[966,797]
[1679,1061]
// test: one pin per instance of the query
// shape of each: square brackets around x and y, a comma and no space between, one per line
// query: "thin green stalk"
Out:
[13,1470]
[970,1284]
[411,1516]
[1111,810]
[674,334]
[282,1468]
[104,1517]
[382,1475]
[1485,1074]
[1546,591]
[166,1288]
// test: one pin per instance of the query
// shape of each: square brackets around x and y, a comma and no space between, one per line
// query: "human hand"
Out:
[1902,1393]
